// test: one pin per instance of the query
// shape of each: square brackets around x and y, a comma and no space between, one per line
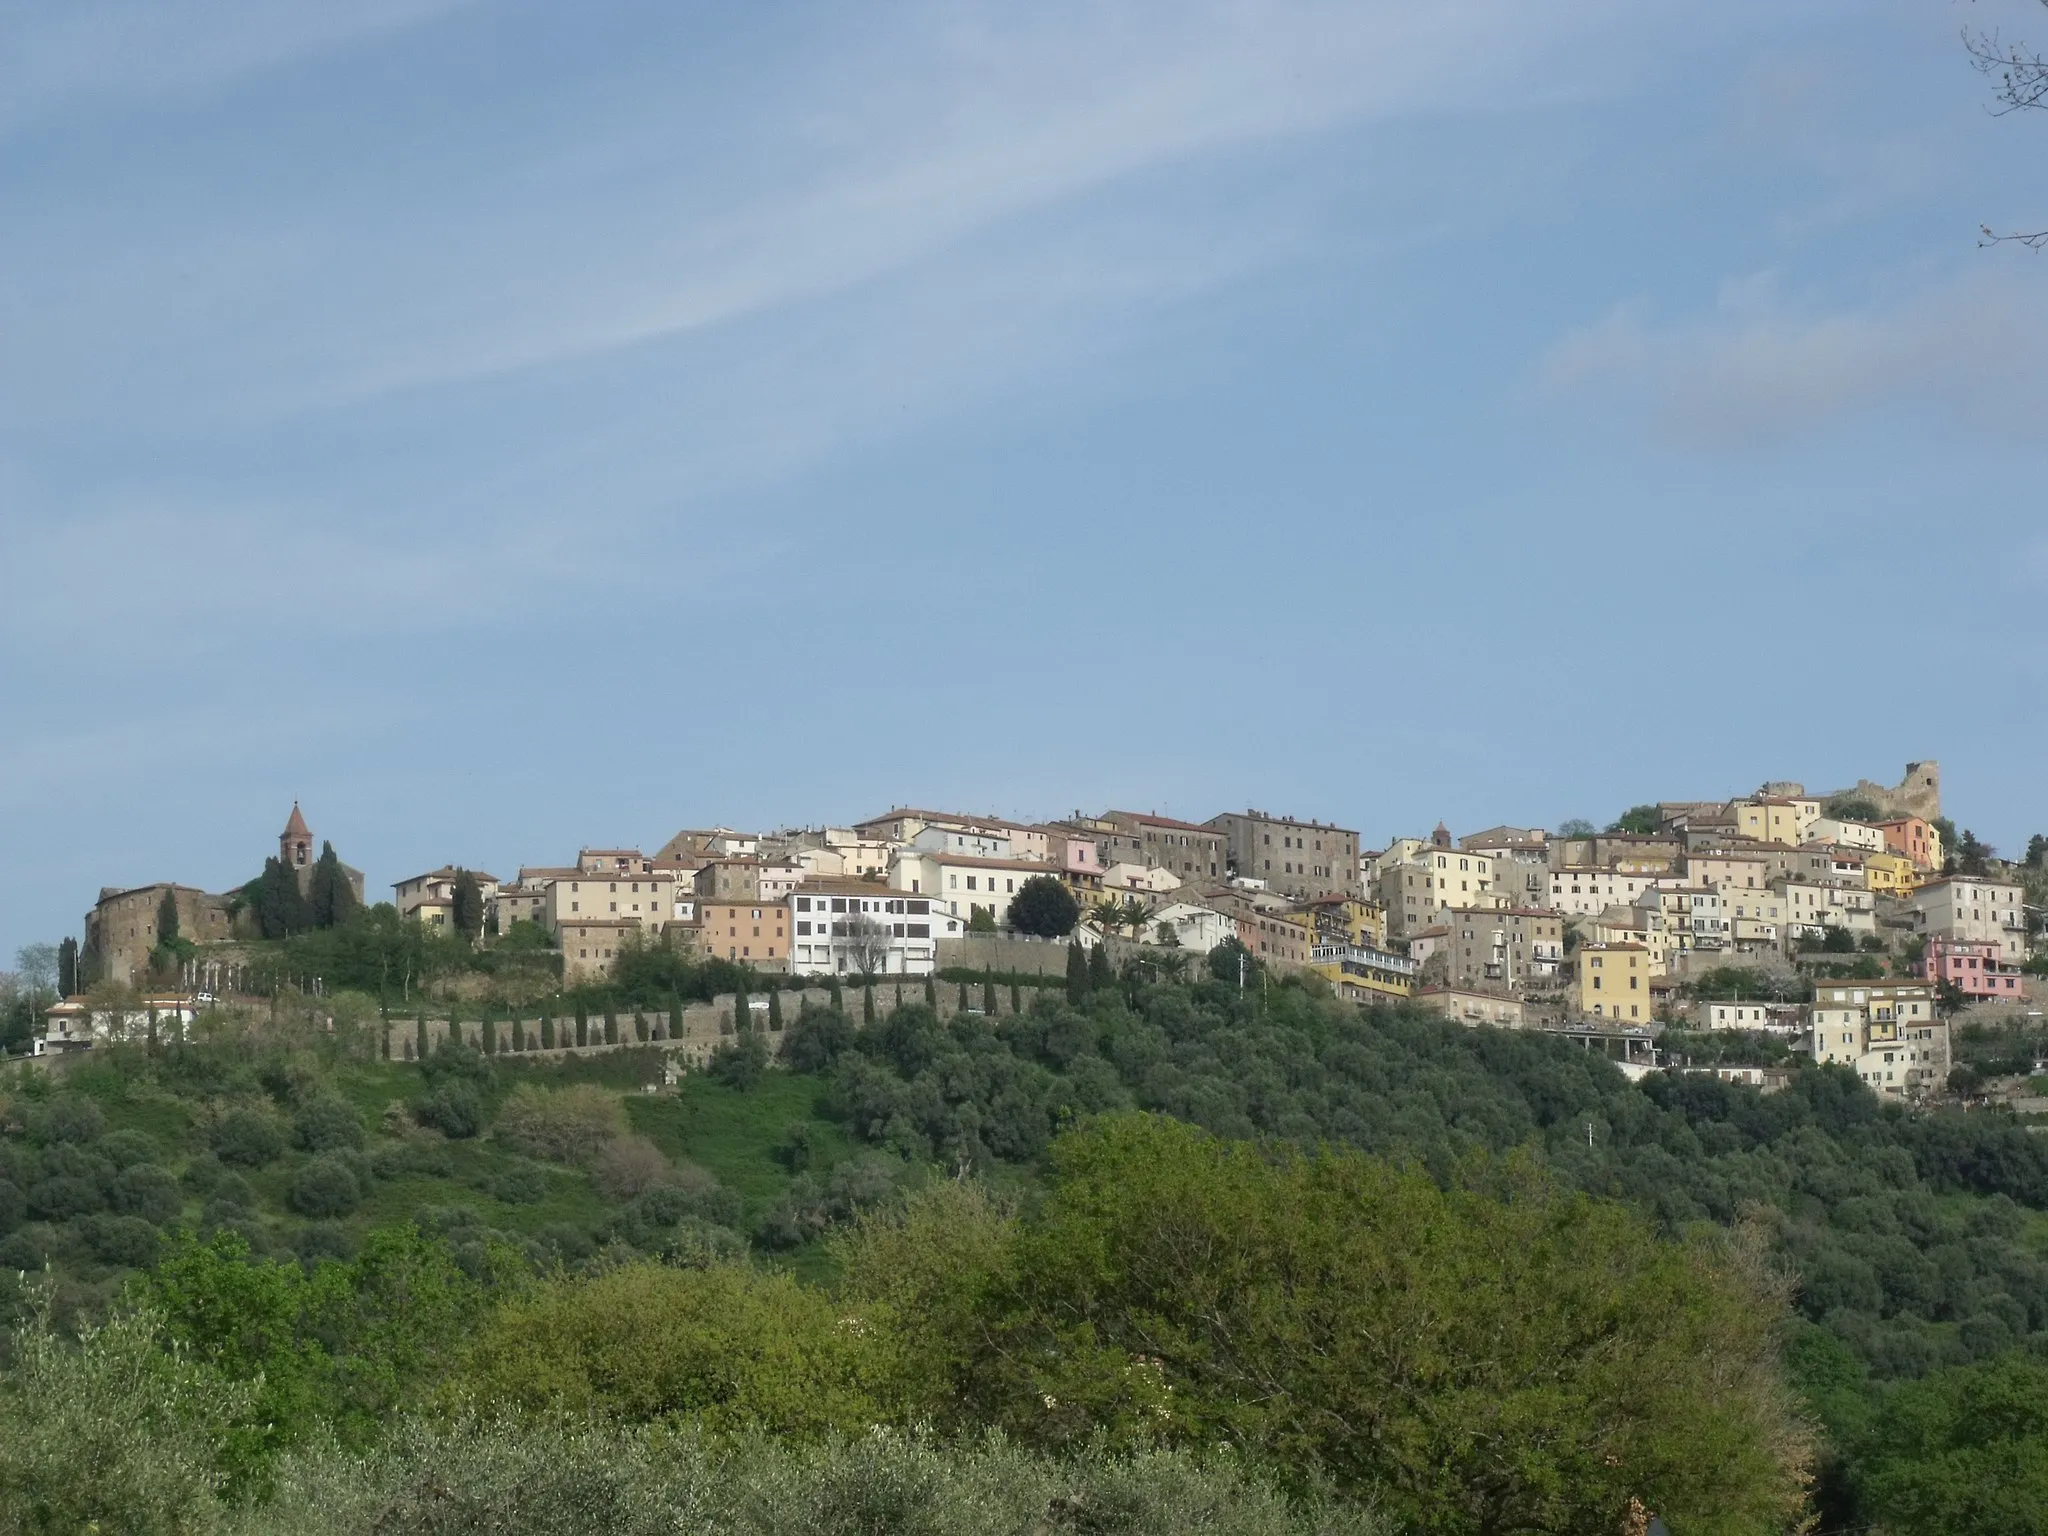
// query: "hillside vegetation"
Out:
[1307,1263]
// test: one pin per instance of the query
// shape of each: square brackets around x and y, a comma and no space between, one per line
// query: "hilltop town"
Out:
[1852,925]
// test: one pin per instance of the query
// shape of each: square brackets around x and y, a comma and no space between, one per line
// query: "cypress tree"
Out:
[964,1004]
[775,1008]
[547,1032]
[582,1028]
[1077,973]
[742,1008]
[867,1003]
[330,900]
[611,1027]
[1100,976]
[467,903]
[67,968]
[838,998]
[899,992]
[1016,999]
[641,1028]
[420,1033]
[988,993]
[931,992]
[490,1035]
[167,917]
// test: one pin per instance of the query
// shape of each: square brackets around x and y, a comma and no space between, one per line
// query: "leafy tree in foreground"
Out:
[1044,907]
[1963,1452]
[1498,1356]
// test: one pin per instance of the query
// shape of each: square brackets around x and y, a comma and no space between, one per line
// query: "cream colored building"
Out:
[1638,925]
[1849,834]
[1413,890]
[1772,819]
[1589,892]
[436,888]
[1887,1032]
[1728,871]
[901,829]
[1812,907]
[1975,910]
[645,900]
[1474,1008]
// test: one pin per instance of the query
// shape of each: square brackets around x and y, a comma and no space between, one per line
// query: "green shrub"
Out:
[731,1346]
[69,1119]
[326,1124]
[453,1109]
[147,1191]
[570,1479]
[560,1125]
[247,1138]
[110,1434]
[125,1240]
[325,1187]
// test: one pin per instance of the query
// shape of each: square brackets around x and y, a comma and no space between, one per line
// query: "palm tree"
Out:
[1135,915]
[1108,915]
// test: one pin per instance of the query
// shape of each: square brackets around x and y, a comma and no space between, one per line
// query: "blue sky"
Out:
[505,427]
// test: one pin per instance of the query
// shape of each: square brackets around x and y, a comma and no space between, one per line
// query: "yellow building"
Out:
[1348,920]
[1362,974]
[1614,982]
[1635,926]
[1891,874]
[1768,819]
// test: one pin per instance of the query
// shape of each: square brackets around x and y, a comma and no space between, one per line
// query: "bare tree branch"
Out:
[2019,84]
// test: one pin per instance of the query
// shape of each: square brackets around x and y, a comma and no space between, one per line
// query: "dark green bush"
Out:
[247,1138]
[325,1187]
[147,1191]
[327,1124]
[127,1240]
[454,1109]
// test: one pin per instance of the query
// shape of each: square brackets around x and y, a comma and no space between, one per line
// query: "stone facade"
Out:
[1306,859]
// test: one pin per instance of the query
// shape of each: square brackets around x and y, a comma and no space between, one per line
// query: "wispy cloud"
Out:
[1967,352]
[878,151]
[99,50]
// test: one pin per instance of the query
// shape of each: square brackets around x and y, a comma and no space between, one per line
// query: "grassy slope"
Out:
[732,1134]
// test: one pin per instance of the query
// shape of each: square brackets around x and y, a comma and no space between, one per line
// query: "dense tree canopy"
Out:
[1045,908]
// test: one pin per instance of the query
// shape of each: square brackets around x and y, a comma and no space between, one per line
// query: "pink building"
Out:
[1973,965]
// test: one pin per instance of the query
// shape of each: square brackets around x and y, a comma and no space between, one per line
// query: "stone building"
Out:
[121,929]
[1159,842]
[1307,859]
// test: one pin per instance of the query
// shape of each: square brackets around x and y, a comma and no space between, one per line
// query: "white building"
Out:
[962,883]
[1200,929]
[1848,834]
[1589,892]
[1973,909]
[1742,1013]
[856,928]
[75,1025]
